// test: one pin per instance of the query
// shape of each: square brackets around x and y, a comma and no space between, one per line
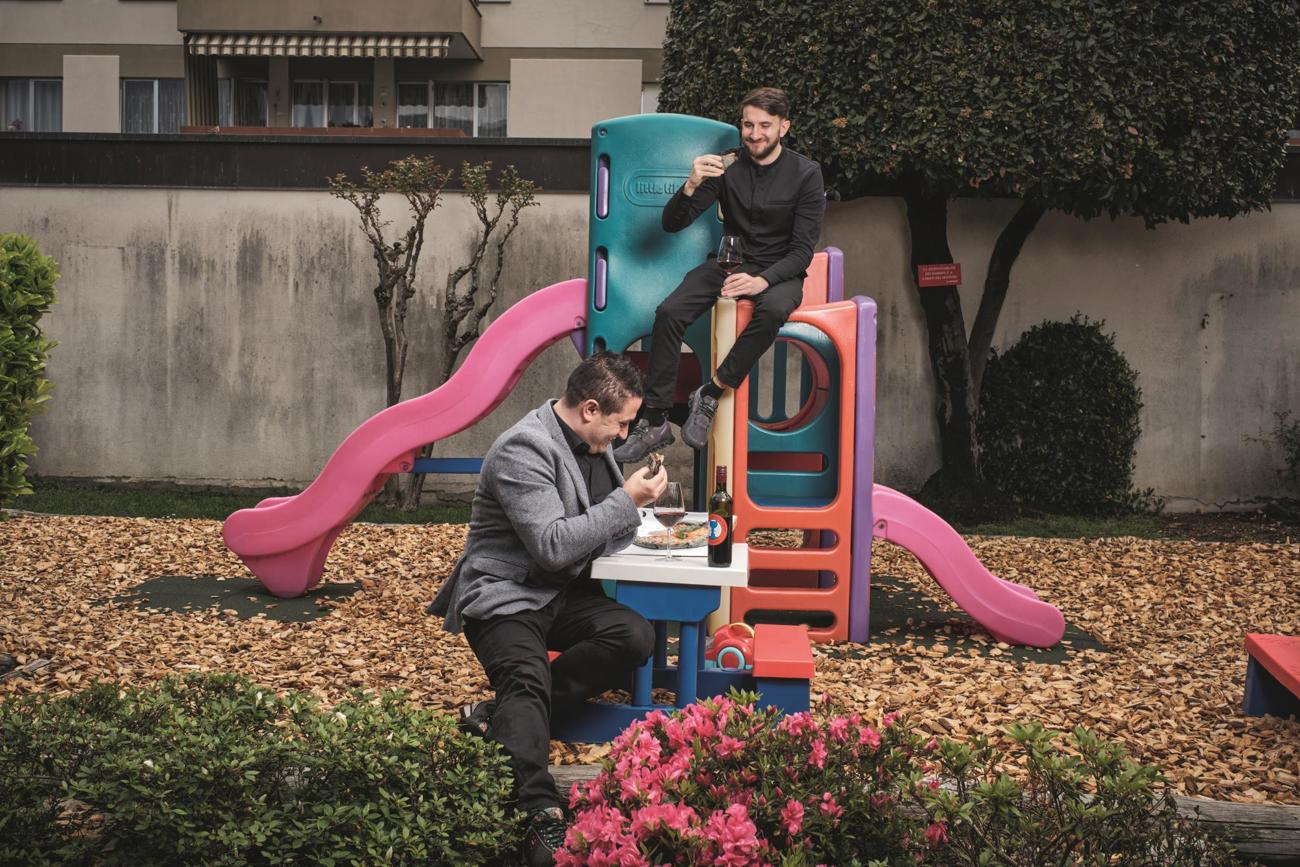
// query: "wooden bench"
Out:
[1273,675]
[783,666]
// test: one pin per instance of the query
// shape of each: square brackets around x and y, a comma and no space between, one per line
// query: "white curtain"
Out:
[413,105]
[454,106]
[492,110]
[171,104]
[137,106]
[308,104]
[31,105]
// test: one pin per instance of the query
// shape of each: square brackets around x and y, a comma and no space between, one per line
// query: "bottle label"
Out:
[719,529]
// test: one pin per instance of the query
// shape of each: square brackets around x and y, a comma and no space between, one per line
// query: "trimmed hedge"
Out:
[27,279]
[217,770]
[1059,421]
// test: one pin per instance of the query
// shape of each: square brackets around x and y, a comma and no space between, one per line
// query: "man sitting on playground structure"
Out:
[551,499]
[773,199]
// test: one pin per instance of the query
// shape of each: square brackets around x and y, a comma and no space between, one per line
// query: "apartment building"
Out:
[479,68]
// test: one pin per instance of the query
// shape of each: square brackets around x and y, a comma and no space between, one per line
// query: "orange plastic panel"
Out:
[839,322]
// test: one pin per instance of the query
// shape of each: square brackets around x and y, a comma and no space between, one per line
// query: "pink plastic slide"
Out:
[285,540]
[1012,612]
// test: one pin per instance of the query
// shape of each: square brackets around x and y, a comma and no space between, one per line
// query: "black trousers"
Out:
[600,642]
[693,298]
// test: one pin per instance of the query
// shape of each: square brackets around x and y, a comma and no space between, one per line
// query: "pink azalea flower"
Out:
[830,806]
[839,729]
[937,833]
[792,816]
[729,746]
[869,736]
[889,719]
[817,754]
[932,744]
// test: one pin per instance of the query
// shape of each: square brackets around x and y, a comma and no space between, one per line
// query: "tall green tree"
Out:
[1164,111]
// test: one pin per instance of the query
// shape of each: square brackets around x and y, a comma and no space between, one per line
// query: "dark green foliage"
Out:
[1164,110]
[1085,804]
[1059,421]
[27,279]
[217,770]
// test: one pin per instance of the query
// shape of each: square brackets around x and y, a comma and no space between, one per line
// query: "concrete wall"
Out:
[565,98]
[92,93]
[231,335]
[1206,313]
[573,24]
[94,22]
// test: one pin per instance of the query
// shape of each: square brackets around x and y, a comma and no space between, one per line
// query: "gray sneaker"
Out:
[643,440]
[695,433]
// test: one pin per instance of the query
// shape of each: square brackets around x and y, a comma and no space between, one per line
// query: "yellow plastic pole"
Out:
[722,437]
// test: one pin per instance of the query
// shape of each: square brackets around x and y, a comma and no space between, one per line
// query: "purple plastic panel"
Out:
[602,187]
[579,338]
[602,275]
[864,464]
[834,274]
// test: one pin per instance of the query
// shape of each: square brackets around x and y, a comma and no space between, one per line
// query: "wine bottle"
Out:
[721,522]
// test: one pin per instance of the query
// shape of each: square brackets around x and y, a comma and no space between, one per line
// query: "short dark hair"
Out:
[770,99]
[608,378]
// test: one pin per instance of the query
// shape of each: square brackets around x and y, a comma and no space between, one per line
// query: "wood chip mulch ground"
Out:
[1170,616]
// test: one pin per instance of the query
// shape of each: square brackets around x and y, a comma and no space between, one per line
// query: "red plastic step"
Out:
[782,651]
[1280,656]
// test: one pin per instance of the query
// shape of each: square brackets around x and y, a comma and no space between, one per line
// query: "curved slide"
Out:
[1012,612]
[285,540]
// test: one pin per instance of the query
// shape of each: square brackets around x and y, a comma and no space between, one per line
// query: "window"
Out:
[475,108]
[151,105]
[332,103]
[31,104]
[242,102]
[649,98]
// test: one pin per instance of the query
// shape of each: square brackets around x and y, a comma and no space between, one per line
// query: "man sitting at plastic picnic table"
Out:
[774,200]
[550,500]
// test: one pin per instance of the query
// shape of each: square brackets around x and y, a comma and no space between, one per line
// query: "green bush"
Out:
[217,770]
[26,292]
[1088,804]
[1059,422]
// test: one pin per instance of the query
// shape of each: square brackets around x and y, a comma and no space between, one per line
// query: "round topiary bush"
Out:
[1059,421]
[27,279]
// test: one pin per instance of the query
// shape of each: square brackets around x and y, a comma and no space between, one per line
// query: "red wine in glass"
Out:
[669,518]
[731,253]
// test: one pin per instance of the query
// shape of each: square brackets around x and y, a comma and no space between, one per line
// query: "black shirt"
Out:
[777,209]
[595,471]
[600,484]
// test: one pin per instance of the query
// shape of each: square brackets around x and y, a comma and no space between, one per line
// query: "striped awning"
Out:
[315,45]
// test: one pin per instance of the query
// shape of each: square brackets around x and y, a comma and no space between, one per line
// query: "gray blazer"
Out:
[532,527]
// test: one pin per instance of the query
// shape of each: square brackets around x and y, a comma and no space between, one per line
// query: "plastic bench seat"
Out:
[783,665]
[1273,675]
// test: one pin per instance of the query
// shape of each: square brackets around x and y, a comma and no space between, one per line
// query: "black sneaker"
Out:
[473,719]
[643,440]
[544,836]
[701,408]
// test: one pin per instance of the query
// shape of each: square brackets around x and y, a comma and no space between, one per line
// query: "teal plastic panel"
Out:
[637,164]
[819,434]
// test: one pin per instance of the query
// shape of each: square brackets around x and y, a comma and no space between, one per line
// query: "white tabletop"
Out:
[688,566]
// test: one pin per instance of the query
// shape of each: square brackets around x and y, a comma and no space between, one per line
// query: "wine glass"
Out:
[670,508]
[731,253]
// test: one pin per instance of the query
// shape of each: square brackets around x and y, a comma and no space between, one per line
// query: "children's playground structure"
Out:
[806,466]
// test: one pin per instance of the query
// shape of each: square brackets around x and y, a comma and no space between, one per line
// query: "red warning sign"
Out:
[948,274]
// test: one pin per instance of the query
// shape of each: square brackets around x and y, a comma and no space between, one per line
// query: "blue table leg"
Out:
[641,682]
[661,643]
[688,651]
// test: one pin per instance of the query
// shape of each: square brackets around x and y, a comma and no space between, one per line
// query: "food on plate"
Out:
[687,534]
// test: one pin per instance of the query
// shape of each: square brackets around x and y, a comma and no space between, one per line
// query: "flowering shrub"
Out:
[1084,803]
[721,782]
